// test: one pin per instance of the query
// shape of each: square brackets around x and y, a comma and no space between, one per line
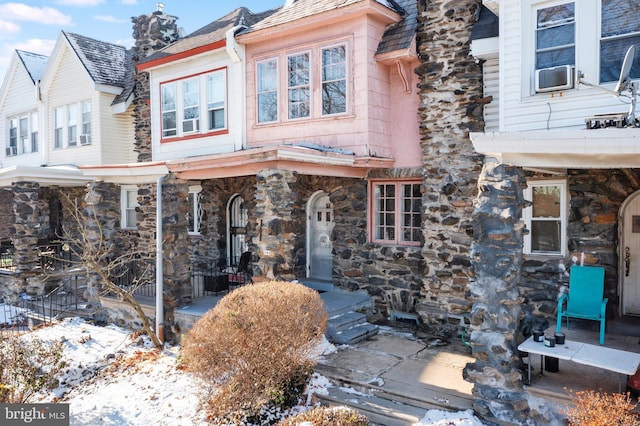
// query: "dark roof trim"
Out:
[486,26]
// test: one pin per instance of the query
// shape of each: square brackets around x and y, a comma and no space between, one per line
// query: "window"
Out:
[190,102]
[85,136]
[183,101]
[619,29]
[216,99]
[298,85]
[546,219]
[34,132]
[23,134]
[12,149]
[555,36]
[58,122]
[396,210]
[128,203]
[334,80]
[169,112]
[72,125]
[267,92]
[194,216]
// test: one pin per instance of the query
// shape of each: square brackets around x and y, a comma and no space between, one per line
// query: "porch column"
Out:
[275,229]
[497,258]
[27,212]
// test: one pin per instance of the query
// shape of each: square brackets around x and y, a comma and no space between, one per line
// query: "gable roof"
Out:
[211,33]
[401,34]
[300,9]
[34,63]
[105,62]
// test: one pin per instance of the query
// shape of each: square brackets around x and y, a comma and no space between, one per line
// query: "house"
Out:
[58,113]
[560,147]
[293,134]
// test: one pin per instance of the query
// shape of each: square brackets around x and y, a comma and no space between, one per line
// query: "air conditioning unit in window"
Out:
[85,139]
[12,150]
[191,125]
[554,78]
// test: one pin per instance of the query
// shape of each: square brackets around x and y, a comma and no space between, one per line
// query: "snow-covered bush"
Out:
[254,347]
[328,416]
[28,366]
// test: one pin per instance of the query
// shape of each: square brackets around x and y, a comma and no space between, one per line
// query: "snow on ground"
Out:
[115,378]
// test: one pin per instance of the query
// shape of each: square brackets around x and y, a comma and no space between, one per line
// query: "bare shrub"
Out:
[254,347]
[328,416]
[598,408]
[28,366]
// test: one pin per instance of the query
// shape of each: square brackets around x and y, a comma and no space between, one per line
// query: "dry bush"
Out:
[601,409]
[328,416]
[28,366]
[254,347]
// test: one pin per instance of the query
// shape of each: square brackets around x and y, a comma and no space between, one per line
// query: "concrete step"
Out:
[345,321]
[352,335]
[378,410]
[339,302]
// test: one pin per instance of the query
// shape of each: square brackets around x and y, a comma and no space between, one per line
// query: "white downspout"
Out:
[234,49]
[159,263]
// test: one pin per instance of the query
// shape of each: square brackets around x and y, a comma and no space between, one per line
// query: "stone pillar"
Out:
[27,212]
[102,219]
[175,247]
[451,106]
[151,32]
[275,238]
[497,257]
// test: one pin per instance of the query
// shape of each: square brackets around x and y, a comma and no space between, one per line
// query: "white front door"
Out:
[320,246]
[630,256]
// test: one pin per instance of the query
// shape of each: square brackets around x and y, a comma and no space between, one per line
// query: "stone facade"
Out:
[451,107]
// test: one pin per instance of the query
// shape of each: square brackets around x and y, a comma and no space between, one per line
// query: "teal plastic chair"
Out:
[586,297]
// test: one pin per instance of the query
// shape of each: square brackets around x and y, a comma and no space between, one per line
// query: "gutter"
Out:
[233,48]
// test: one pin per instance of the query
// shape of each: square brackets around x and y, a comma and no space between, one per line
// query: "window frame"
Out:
[21,131]
[551,25]
[195,212]
[527,216]
[68,120]
[126,207]
[398,212]
[203,125]
[619,54]
[298,87]
[316,96]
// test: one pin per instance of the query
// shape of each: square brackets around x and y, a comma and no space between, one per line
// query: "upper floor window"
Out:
[298,85]
[315,80]
[619,29]
[555,36]
[128,204]
[546,218]
[267,93]
[72,125]
[396,210]
[182,102]
[334,80]
[23,134]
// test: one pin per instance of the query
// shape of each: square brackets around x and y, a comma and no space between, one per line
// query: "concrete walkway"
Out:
[397,377]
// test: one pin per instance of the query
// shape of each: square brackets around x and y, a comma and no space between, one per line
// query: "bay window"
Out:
[396,209]
[183,100]
[298,85]
[334,80]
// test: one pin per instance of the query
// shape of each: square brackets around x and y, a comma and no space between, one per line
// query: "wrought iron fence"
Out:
[216,275]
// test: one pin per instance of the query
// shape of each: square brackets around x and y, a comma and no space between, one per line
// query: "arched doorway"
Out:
[629,255]
[237,219]
[319,245]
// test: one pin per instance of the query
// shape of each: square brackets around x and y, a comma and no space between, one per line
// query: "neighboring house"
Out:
[298,140]
[57,113]
[561,175]
[556,114]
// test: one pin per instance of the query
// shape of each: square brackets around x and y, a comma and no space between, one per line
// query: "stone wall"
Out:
[151,33]
[451,106]
[6,215]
